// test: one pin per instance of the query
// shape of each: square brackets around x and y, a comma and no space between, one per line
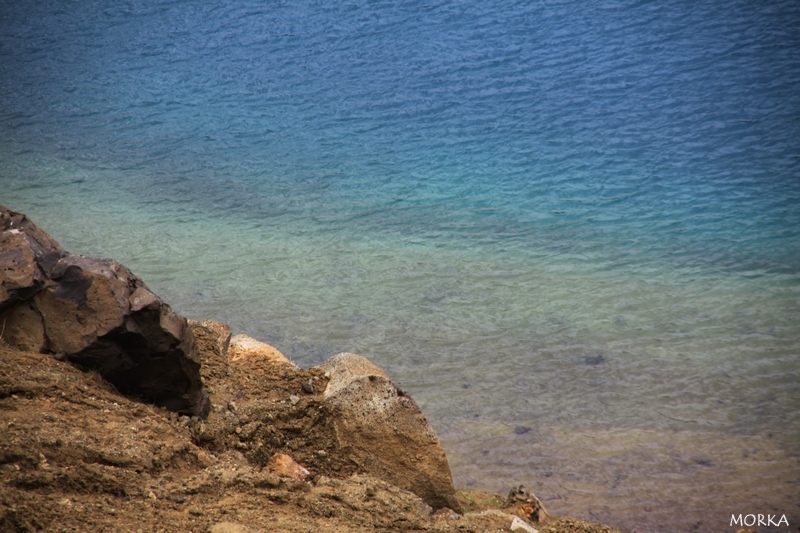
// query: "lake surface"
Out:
[571,230]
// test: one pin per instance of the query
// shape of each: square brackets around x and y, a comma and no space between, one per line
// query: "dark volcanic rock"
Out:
[95,313]
[22,247]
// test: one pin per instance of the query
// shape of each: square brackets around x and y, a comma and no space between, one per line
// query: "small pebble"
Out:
[322,453]
[308,386]
[294,399]
[232,406]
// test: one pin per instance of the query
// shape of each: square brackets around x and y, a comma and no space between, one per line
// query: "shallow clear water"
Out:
[570,230]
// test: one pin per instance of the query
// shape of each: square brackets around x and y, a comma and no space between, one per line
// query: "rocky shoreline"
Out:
[117,414]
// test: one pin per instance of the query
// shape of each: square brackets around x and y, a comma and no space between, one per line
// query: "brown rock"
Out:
[22,247]
[102,316]
[344,368]
[285,466]
[96,313]
[85,299]
[385,431]
[243,347]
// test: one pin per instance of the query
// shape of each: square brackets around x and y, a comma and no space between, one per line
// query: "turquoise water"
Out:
[570,230]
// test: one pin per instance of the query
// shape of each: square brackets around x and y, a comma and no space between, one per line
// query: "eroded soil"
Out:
[75,455]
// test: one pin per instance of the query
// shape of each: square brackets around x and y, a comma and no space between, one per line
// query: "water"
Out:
[570,229]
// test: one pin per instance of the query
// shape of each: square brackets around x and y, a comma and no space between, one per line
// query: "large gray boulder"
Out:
[385,431]
[95,313]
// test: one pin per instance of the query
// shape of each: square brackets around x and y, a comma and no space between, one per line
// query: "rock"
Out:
[285,466]
[531,507]
[592,360]
[342,369]
[97,314]
[518,524]
[104,317]
[85,299]
[22,247]
[243,347]
[384,430]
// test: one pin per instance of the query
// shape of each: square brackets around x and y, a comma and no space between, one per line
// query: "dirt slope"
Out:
[77,456]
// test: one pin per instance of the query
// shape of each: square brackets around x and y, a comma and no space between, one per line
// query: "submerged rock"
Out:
[592,360]
[385,431]
[97,314]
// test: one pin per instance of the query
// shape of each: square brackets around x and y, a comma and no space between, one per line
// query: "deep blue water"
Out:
[541,215]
